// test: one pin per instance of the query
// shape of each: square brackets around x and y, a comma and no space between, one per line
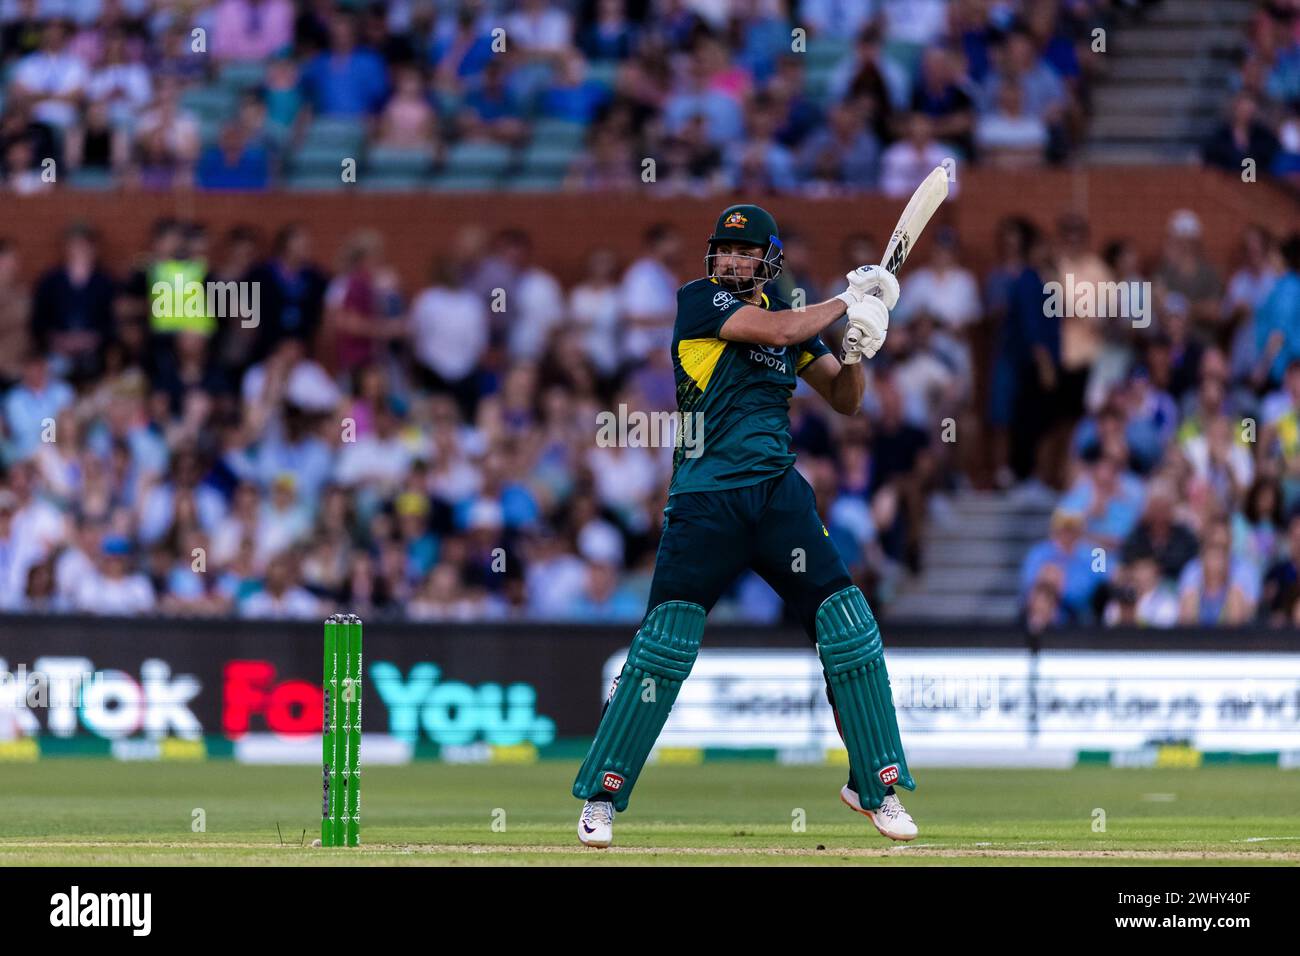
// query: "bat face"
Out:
[901,243]
[929,196]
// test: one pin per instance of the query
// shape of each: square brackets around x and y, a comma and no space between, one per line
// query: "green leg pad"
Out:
[848,641]
[661,657]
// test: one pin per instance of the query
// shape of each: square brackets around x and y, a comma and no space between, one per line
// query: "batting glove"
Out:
[867,281]
[866,330]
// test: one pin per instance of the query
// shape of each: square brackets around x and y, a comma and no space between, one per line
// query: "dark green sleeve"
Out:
[703,308]
[809,351]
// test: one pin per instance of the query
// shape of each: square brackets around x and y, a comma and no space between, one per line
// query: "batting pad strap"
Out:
[661,657]
[848,642]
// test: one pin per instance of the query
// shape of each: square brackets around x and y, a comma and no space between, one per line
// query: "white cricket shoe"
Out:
[596,826]
[890,818]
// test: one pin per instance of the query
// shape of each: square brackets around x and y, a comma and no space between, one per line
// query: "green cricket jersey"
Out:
[733,397]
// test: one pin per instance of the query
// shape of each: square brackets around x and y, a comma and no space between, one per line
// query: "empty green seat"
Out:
[391,160]
[556,132]
[488,159]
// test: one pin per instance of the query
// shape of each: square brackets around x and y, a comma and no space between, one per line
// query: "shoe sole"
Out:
[592,843]
[870,816]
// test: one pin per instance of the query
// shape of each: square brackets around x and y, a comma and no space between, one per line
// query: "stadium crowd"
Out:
[820,96]
[1175,433]
[1263,118]
[395,451]
[421,452]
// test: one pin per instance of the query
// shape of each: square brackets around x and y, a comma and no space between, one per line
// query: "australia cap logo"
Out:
[735,221]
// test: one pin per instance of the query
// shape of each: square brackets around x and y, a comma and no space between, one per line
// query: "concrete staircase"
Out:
[1167,81]
[971,561]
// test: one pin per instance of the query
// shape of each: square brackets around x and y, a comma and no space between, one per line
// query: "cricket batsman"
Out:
[739,503]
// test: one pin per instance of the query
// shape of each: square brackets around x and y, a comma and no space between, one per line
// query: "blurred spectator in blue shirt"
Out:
[602,599]
[491,110]
[1109,499]
[845,148]
[1069,556]
[30,404]
[572,95]
[345,80]
[234,163]
[611,36]
[1277,323]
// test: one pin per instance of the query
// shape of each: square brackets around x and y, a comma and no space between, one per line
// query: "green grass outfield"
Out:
[81,812]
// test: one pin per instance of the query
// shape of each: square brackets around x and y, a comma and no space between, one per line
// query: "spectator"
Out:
[1084,320]
[597,311]
[1109,498]
[31,405]
[72,314]
[1282,580]
[943,288]
[1007,137]
[251,30]
[1147,600]
[121,83]
[911,159]
[571,95]
[115,588]
[491,110]
[649,290]
[1210,592]
[281,597]
[798,112]
[1242,137]
[1159,536]
[409,121]
[610,35]
[1066,557]
[603,600]
[1230,583]
[939,93]
[451,330]
[845,148]
[1185,270]
[346,80]
[97,145]
[167,141]
[1277,320]
[52,79]
[234,163]
[1042,94]
[292,291]
[354,307]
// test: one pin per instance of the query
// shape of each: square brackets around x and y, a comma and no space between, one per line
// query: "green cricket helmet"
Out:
[752,225]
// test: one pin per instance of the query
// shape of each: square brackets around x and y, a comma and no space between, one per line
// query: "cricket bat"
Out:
[927,198]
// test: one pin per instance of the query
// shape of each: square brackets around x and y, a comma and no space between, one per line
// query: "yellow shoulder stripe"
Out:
[804,359]
[699,357]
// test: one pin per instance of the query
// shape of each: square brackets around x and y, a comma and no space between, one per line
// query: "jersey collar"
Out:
[761,295]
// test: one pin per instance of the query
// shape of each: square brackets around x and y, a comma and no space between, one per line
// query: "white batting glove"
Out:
[865,333]
[867,281]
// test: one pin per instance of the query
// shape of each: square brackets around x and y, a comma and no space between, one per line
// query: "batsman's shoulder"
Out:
[775,303]
[695,287]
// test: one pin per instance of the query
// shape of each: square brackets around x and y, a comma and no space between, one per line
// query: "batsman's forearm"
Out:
[801,325]
[847,388]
